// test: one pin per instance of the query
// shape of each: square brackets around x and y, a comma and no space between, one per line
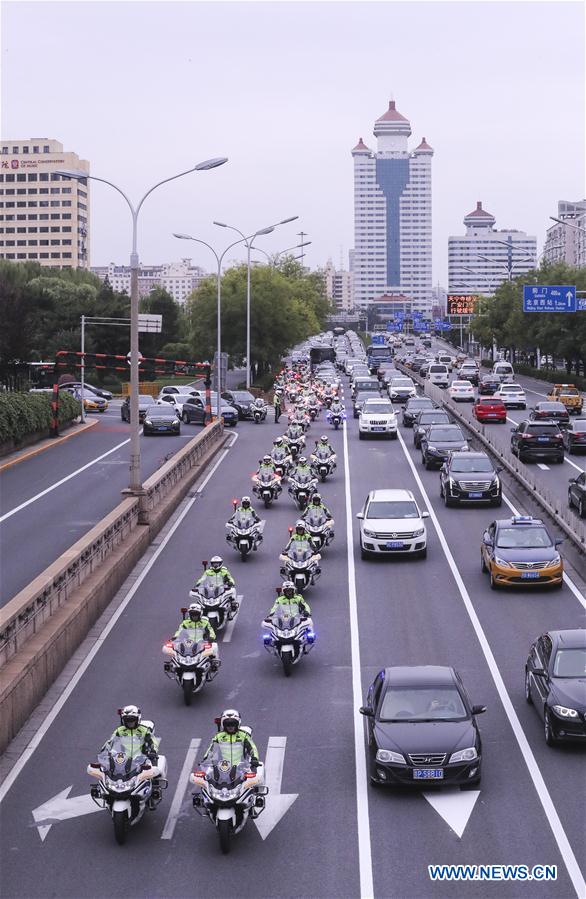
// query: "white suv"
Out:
[512,395]
[377,417]
[391,522]
[438,374]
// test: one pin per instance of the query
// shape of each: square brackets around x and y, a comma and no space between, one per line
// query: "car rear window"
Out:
[489,401]
[445,434]
[438,368]
[543,429]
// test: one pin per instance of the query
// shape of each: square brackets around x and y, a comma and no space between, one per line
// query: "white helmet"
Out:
[230,718]
[130,716]
[195,610]
[216,562]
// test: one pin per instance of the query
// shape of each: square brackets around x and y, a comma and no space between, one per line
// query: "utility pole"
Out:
[301,235]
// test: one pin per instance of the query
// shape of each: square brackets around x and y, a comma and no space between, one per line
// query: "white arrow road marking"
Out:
[182,784]
[542,466]
[277,803]
[230,626]
[455,807]
[60,808]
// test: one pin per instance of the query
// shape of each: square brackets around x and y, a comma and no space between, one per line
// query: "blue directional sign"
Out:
[581,304]
[549,298]
[377,339]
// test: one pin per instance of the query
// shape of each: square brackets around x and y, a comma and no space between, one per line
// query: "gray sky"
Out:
[145,89]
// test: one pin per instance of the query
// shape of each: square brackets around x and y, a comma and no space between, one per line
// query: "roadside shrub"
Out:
[22,414]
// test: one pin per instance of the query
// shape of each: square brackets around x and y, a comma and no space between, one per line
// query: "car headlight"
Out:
[419,532]
[565,712]
[147,421]
[464,755]
[502,562]
[554,562]
[368,533]
[432,449]
[387,755]
[497,482]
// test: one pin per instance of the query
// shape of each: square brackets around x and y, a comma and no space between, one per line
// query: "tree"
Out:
[160,302]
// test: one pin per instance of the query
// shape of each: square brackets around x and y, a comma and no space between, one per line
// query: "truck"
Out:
[377,353]
[569,395]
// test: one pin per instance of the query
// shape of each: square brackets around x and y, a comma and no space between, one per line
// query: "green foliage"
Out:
[22,414]
[502,318]
[287,306]
[159,302]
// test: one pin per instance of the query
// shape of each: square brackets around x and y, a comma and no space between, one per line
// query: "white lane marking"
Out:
[61,808]
[277,803]
[363,822]
[68,477]
[231,624]
[543,466]
[543,795]
[180,789]
[455,806]
[50,717]
[567,580]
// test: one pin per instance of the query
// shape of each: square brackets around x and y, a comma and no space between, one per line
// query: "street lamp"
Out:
[281,252]
[248,242]
[219,259]
[135,485]
[568,224]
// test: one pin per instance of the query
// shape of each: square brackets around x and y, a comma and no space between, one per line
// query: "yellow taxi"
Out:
[520,552]
[569,395]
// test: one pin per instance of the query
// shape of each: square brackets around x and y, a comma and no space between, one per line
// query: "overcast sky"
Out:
[145,89]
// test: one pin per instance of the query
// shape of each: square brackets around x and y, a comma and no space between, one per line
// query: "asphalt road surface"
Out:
[339,837]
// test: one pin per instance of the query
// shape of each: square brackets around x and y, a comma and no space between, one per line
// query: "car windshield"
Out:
[569,391]
[400,508]
[164,409]
[447,434]
[523,538]
[471,464]
[367,385]
[570,663]
[373,406]
[422,704]
[402,382]
[146,400]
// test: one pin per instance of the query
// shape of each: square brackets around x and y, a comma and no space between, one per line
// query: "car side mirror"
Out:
[478,709]
[572,480]
[425,514]
[499,468]
[486,540]
[513,429]
[360,515]
[540,672]
[559,541]
[364,710]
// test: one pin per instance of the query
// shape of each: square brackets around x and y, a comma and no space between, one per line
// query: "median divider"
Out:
[552,504]
[42,626]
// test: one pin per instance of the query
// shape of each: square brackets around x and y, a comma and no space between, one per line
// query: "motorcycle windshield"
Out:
[300,551]
[212,586]
[266,476]
[303,477]
[243,521]
[321,453]
[286,616]
[228,764]
[123,758]
[314,519]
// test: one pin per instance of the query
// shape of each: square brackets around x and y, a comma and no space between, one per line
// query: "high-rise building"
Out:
[43,218]
[177,278]
[339,287]
[482,258]
[392,215]
[567,243]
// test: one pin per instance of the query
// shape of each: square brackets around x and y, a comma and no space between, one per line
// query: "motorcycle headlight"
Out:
[565,712]
[387,755]
[120,786]
[464,755]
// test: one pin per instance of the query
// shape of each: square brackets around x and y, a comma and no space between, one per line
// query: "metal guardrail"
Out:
[25,614]
[551,503]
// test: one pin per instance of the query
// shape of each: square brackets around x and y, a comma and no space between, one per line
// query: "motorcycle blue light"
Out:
[266,638]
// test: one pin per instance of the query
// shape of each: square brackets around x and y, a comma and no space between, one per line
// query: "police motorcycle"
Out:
[266,484]
[295,439]
[218,600]
[322,462]
[243,532]
[259,410]
[193,659]
[299,417]
[288,636]
[302,486]
[300,564]
[128,783]
[281,458]
[313,408]
[230,791]
[319,527]
[336,416]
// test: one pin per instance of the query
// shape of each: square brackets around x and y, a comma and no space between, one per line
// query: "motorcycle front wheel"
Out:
[287,664]
[225,834]
[187,691]
[119,819]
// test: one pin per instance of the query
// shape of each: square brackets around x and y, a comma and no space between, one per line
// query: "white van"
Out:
[438,374]
[445,359]
[504,372]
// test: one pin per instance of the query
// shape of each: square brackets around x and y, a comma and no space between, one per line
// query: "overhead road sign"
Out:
[461,304]
[549,298]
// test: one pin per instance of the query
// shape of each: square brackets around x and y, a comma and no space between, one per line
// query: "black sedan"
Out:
[470,478]
[161,420]
[426,417]
[143,404]
[422,728]
[488,384]
[577,494]
[241,400]
[88,388]
[439,441]
[414,405]
[550,410]
[575,435]
[555,683]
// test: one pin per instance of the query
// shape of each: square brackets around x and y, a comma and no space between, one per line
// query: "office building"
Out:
[392,215]
[567,243]
[482,258]
[177,278]
[43,218]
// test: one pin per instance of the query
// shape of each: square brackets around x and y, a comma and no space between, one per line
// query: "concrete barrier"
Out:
[42,626]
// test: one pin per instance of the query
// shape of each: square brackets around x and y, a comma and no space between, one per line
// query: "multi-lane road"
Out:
[339,837]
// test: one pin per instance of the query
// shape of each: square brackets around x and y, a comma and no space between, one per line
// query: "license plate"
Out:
[428,773]
[529,575]
[542,439]
[394,544]
[491,414]
[377,428]
[475,495]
